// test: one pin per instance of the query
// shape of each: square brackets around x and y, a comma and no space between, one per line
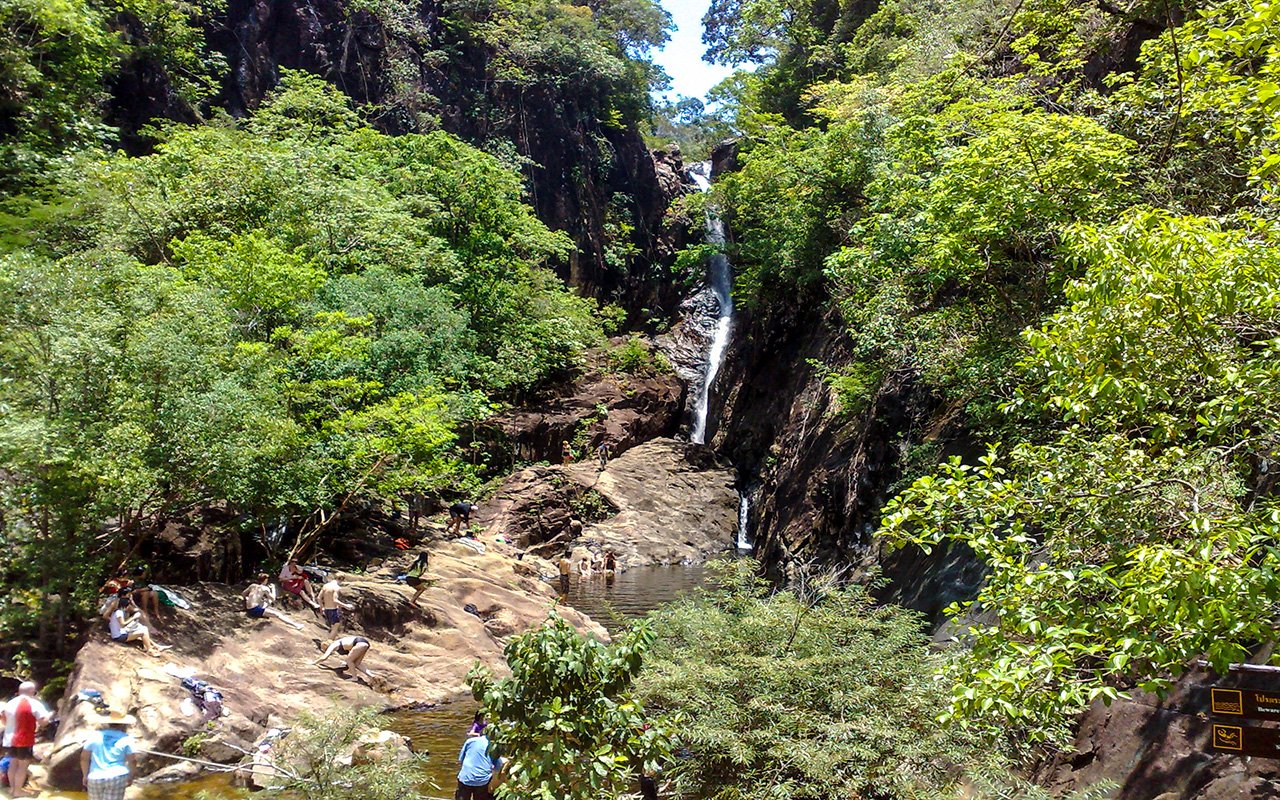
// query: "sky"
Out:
[682,56]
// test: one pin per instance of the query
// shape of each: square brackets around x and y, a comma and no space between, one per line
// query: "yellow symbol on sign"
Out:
[1226,701]
[1227,737]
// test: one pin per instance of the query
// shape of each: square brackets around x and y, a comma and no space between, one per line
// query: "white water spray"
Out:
[720,277]
[744,520]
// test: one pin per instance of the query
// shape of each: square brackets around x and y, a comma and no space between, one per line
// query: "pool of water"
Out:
[614,600]
[439,732]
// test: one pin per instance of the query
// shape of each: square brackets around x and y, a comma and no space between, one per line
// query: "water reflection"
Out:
[439,733]
[612,601]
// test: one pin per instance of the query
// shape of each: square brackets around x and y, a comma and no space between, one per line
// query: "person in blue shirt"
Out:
[108,758]
[477,769]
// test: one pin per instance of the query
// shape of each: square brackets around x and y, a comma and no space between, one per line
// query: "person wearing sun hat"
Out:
[109,757]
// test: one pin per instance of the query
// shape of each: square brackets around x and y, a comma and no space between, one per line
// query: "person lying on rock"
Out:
[295,581]
[108,760]
[258,599]
[458,514]
[416,577]
[331,606]
[355,648]
[126,626]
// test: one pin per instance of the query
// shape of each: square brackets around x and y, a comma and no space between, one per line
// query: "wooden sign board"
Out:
[1246,741]
[1244,703]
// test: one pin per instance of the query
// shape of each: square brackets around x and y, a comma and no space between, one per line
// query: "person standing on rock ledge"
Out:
[602,453]
[331,605]
[22,716]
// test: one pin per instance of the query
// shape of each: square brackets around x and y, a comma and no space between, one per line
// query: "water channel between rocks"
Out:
[439,731]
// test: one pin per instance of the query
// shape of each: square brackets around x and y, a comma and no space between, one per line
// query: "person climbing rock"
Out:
[331,605]
[355,648]
[602,453]
[126,626]
[458,514]
[566,453]
[295,581]
[415,576]
[476,769]
[108,759]
[566,569]
[23,716]
[258,599]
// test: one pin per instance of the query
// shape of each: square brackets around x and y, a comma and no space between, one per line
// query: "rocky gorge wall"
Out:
[588,174]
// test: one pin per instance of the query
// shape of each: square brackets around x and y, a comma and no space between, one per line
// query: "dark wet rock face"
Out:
[601,405]
[587,178]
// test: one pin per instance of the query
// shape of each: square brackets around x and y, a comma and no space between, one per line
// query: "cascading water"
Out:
[720,277]
[744,519]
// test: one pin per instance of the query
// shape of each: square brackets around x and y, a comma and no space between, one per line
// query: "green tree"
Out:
[567,717]
[809,693]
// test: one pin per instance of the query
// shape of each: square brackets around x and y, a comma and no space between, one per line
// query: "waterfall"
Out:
[720,278]
[744,520]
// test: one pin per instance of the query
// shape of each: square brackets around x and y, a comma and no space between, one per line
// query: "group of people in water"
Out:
[605,564]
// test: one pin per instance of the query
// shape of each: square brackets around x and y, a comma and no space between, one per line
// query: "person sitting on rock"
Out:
[126,626]
[355,648]
[258,599]
[415,576]
[458,514]
[295,581]
[144,596]
[330,605]
[584,568]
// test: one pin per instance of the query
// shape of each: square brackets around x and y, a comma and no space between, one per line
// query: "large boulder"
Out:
[264,668]
[662,502]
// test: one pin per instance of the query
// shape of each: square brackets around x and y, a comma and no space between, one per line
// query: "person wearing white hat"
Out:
[109,758]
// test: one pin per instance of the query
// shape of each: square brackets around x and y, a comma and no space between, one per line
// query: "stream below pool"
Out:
[439,732]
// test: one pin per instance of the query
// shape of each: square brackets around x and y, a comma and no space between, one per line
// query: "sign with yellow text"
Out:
[1245,703]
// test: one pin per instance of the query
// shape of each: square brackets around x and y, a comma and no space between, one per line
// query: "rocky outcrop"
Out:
[1158,749]
[663,502]
[265,670]
[588,175]
[603,404]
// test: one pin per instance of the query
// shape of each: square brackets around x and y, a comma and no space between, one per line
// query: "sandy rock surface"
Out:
[662,502]
[264,668]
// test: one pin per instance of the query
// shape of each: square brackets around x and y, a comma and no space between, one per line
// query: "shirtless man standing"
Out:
[331,605]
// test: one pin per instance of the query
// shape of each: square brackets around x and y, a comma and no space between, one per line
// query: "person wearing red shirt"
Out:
[23,716]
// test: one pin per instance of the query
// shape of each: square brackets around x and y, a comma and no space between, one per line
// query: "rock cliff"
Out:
[264,668]
[662,502]
[589,174]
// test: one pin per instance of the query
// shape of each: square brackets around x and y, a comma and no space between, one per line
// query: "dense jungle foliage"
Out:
[282,316]
[1058,219]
